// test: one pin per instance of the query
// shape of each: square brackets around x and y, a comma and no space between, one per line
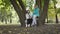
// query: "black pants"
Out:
[29,21]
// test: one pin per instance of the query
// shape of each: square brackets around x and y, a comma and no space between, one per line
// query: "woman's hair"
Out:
[27,11]
[35,5]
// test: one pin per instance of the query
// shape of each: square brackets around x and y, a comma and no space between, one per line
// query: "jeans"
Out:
[34,22]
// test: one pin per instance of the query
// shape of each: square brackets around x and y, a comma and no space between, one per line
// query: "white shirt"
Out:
[28,16]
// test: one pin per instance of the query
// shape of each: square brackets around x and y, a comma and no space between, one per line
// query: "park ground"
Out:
[44,29]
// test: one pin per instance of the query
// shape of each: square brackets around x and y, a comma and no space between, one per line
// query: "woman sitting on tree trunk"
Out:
[35,16]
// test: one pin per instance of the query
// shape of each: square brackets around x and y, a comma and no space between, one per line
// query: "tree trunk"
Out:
[19,12]
[55,12]
[2,20]
[10,20]
[57,19]
[43,14]
[22,6]
[47,18]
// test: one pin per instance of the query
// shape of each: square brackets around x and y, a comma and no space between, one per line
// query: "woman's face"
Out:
[35,6]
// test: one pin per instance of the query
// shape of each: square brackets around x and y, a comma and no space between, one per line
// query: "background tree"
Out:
[55,2]
[43,14]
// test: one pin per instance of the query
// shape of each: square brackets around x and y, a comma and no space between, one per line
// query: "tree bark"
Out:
[43,14]
[19,12]
[57,19]
[55,12]
[23,7]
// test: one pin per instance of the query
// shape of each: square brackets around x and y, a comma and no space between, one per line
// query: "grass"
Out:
[10,23]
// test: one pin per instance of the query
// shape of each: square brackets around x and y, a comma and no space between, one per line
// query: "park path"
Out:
[16,29]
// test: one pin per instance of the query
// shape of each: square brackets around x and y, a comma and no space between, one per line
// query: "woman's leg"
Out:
[34,22]
[26,22]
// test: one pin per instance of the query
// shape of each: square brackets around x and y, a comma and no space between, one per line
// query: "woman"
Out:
[35,15]
[28,19]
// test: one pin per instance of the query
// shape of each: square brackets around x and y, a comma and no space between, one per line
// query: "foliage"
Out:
[5,9]
[29,3]
[51,11]
[58,10]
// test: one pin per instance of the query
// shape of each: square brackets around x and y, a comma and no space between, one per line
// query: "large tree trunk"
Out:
[22,6]
[43,14]
[19,12]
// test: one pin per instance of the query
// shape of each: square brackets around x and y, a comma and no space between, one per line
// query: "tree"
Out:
[19,12]
[43,14]
[51,12]
[5,7]
[55,2]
